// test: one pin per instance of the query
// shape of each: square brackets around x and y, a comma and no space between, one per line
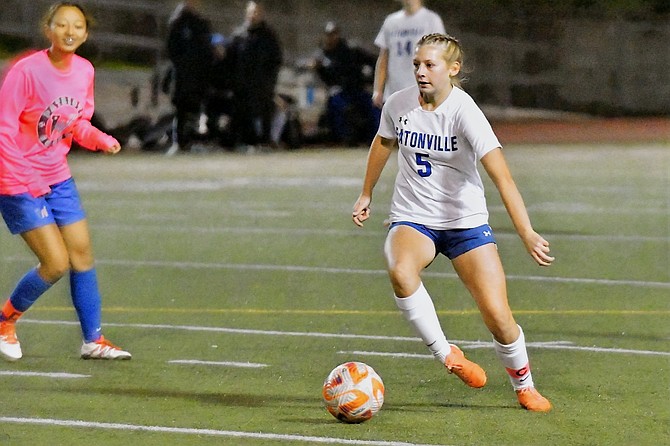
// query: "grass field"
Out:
[238,282]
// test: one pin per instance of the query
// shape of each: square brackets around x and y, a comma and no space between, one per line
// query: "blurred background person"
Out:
[190,51]
[396,40]
[219,104]
[255,57]
[350,117]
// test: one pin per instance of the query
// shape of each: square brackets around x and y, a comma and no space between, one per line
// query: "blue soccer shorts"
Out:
[61,206]
[454,242]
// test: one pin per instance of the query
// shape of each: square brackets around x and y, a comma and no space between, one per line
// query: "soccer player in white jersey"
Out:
[439,207]
[396,40]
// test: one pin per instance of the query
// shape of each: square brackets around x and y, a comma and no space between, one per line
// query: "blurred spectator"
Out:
[219,106]
[347,70]
[190,51]
[255,57]
[396,40]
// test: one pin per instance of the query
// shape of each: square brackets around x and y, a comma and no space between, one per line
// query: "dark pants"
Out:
[187,116]
[252,119]
[352,117]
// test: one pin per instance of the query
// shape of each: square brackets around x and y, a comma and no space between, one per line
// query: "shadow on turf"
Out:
[227,399]
[250,400]
[477,406]
[415,407]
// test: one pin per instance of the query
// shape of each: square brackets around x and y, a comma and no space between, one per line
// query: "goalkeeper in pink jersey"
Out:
[47,102]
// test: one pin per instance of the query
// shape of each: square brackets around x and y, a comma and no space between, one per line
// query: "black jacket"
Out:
[255,57]
[190,51]
[344,66]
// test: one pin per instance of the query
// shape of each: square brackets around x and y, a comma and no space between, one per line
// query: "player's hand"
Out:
[109,144]
[538,248]
[361,210]
[114,149]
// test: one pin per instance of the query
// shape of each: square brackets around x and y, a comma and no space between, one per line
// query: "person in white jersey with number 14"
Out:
[439,207]
[395,40]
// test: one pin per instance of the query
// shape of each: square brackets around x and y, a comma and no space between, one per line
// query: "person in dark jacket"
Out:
[190,51]
[347,71]
[255,57]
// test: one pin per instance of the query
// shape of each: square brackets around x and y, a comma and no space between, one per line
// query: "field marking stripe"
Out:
[333,270]
[57,375]
[331,312]
[606,350]
[250,365]
[541,345]
[195,431]
[471,344]
[234,330]
[356,232]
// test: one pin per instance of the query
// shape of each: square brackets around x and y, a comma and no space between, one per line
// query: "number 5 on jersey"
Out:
[425,168]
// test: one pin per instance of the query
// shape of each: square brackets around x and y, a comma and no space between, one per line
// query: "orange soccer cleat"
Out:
[530,399]
[469,372]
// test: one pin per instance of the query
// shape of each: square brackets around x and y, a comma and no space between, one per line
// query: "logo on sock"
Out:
[521,374]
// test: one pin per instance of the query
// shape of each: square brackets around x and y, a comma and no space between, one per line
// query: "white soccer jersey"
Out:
[438,184]
[399,35]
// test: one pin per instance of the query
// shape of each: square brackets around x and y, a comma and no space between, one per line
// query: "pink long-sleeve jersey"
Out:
[42,109]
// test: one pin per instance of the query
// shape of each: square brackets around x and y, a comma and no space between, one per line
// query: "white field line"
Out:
[333,270]
[249,365]
[570,208]
[538,345]
[63,375]
[208,432]
[555,345]
[54,375]
[213,185]
[347,232]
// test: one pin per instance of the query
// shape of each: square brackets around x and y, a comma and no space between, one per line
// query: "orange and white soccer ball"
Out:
[353,392]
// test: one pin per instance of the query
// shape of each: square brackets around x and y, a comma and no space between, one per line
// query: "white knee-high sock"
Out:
[515,359]
[420,312]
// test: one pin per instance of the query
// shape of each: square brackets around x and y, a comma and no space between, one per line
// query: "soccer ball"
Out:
[353,392]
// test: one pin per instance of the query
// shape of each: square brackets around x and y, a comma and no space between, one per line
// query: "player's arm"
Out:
[380,150]
[496,167]
[381,69]
[89,136]
[92,138]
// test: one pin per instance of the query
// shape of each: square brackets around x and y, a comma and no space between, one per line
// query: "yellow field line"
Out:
[266,311]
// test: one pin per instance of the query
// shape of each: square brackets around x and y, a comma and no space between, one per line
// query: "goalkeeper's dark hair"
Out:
[51,12]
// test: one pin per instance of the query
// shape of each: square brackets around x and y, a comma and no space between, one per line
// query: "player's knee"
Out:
[81,260]
[54,268]
[403,279]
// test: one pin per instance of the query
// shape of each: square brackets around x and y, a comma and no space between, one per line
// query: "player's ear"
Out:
[455,68]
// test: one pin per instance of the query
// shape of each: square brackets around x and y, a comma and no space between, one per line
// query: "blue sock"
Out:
[28,290]
[87,302]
